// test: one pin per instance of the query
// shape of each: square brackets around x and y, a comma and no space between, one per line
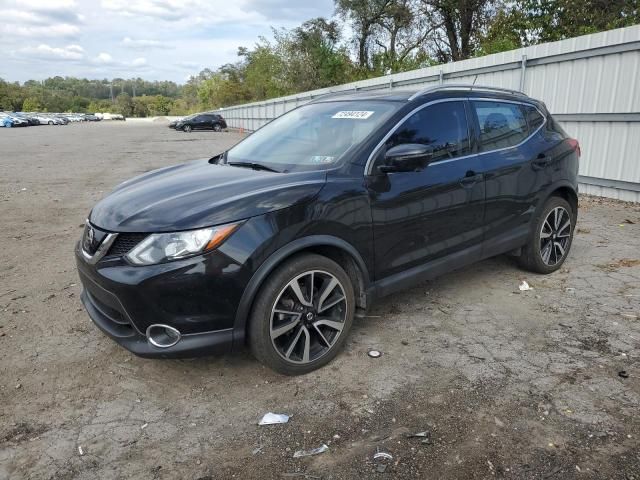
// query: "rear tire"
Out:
[302,315]
[217,127]
[550,238]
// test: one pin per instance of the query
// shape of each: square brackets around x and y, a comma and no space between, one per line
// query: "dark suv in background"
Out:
[200,121]
[280,240]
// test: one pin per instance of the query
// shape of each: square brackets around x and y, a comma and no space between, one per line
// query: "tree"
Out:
[31,104]
[538,21]
[459,25]
[363,16]
[124,104]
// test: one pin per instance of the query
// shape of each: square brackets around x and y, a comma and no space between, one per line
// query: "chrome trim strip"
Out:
[166,327]
[102,249]
[367,170]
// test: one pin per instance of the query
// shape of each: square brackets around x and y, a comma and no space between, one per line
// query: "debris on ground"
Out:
[296,474]
[382,456]
[314,451]
[623,374]
[374,353]
[418,435]
[80,451]
[273,418]
[524,286]
[630,222]
[257,450]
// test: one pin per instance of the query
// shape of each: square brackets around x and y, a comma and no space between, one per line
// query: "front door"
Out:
[424,215]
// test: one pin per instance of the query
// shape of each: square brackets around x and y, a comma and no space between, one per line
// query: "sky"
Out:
[152,39]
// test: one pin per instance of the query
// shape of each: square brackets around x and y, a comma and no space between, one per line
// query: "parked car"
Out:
[5,120]
[30,119]
[18,121]
[173,123]
[202,121]
[278,241]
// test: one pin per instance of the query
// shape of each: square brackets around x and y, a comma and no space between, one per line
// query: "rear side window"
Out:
[442,126]
[534,118]
[502,125]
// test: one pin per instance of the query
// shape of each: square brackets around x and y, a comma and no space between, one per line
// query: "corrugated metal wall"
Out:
[589,83]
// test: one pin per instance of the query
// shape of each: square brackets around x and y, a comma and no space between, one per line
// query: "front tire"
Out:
[550,238]
[302,315]
[187,128]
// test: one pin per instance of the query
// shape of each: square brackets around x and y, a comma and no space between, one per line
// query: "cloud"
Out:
[103,58]
[37,18]
[161,9]
[139,62]
[290,10]
[47,52]
[188,65]
[62,30]
[143,44]
[187,13]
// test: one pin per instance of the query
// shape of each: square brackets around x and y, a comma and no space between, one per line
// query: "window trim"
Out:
[368,166]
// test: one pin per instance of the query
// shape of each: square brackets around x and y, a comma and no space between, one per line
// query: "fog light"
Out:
[162,336]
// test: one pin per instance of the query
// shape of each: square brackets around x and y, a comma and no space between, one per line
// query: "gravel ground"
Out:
[506,384]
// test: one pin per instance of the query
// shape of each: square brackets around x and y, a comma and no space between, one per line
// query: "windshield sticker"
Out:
[353,114]
[322,159]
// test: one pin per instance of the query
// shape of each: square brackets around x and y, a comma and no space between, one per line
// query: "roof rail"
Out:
[462,86]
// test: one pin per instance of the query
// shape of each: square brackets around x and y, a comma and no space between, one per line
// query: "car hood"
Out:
[199,194]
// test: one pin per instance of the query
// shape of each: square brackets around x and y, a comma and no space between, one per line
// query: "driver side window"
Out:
[442,126]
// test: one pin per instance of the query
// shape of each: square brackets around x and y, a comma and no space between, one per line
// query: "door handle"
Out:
[470,178]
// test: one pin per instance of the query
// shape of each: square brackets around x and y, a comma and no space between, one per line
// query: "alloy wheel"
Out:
[308,317]
[555,236]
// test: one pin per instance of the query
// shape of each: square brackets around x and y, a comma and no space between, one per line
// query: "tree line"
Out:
[384,36]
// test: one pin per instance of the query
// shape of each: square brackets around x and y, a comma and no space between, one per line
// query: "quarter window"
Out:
[534,118]
[442,126]
[502,125]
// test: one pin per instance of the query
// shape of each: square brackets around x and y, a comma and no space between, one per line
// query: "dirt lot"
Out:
[507,384]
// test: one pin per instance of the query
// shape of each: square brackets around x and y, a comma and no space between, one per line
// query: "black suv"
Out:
[279,241]
[201,121]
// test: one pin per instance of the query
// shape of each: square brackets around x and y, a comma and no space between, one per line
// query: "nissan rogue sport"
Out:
[279,241]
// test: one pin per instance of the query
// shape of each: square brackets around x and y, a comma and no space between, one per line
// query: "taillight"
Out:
[575,145]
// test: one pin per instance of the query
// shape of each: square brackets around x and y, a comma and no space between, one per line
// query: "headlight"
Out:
[162,247]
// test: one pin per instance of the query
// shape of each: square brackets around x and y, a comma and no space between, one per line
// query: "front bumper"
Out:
[123,301]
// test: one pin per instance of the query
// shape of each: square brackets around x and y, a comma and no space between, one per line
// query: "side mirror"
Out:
[408,157]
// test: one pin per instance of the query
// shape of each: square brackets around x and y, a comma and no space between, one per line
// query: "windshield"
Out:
[313,136]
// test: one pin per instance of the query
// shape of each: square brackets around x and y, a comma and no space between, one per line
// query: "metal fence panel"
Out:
[591,83]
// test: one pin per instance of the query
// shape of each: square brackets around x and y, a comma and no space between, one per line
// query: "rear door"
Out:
[428,214]
[200,122]
[512,152]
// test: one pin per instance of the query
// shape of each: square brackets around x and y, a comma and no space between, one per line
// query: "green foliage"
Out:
[31,104]
[529,22]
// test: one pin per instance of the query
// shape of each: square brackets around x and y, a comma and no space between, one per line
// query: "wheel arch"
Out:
[331,247]
[568,192]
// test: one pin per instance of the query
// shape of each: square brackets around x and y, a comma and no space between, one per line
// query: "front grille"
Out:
[125,242]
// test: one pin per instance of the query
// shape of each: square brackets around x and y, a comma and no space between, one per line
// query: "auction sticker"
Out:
[353,114]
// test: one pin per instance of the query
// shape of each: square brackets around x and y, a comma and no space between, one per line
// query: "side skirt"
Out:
[409,278]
